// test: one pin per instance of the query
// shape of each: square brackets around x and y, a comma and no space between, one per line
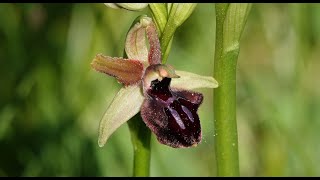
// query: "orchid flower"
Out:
[164,97]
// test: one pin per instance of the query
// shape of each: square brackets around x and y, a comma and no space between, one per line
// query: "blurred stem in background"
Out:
[230,22]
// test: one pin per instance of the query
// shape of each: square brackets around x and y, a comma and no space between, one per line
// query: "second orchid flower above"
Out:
[164,97]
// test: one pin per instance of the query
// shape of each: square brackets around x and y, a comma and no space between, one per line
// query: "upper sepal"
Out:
[136,46]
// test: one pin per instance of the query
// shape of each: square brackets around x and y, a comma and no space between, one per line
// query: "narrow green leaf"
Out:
[159,12]
[169,5]
[178,14]
[234,24]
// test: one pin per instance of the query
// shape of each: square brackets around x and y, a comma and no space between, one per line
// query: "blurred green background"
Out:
[51,101]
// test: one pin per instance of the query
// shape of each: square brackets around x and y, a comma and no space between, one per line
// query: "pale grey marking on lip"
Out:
[189,113]
[176,116]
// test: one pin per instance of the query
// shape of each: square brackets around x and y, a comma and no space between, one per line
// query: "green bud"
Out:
[179,12]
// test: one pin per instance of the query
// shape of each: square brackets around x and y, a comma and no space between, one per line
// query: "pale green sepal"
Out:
[191,81]
[159,12]
[123,107]
[179,12]
[133,6]
[112,5]
[128,6]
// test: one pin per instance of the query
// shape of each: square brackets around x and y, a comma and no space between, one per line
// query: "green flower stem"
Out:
[140,137]
[230,20]
[166,39]
[166,49]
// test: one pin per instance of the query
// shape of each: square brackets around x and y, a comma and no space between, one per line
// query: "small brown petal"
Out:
[126,71]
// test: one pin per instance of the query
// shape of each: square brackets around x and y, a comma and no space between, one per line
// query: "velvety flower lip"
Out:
[172,114]
[164,96]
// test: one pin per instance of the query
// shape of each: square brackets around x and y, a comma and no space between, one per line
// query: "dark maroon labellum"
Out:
[172,114]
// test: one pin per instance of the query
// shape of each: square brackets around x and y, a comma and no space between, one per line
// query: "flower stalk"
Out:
[230,22]
[140,138]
